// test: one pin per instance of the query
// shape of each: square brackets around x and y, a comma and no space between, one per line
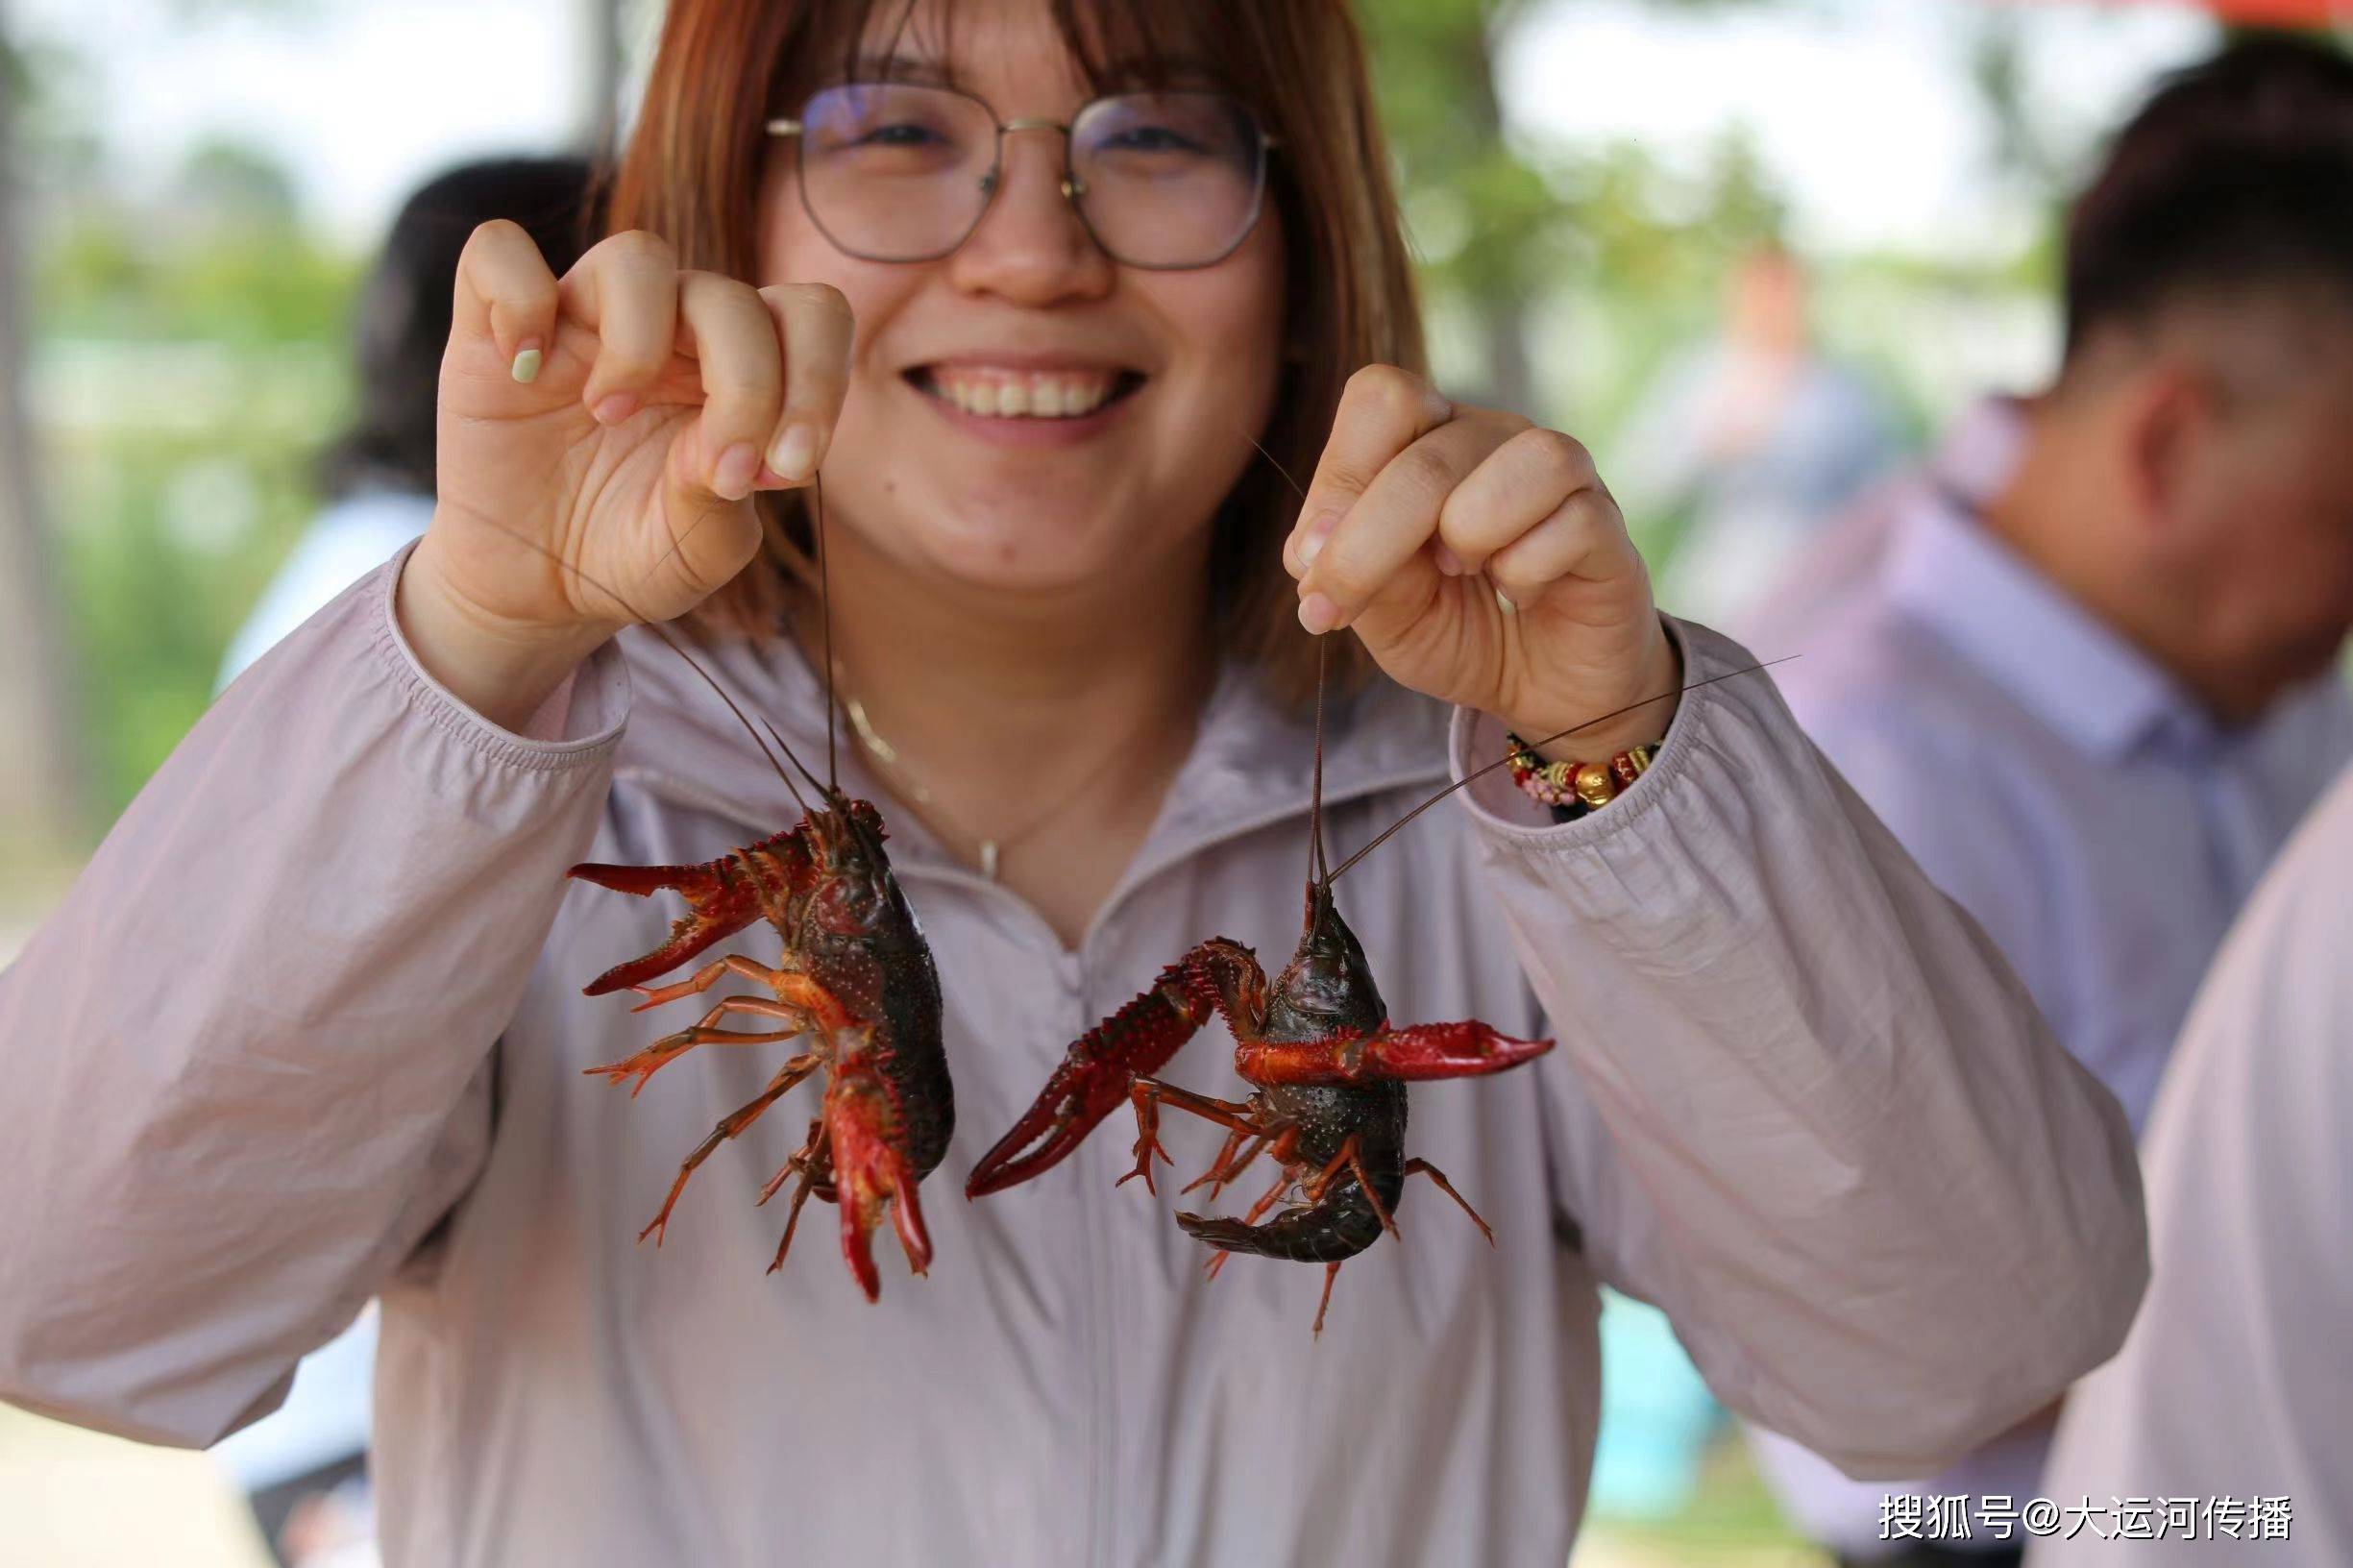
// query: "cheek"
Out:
[1231,320]
[792,250]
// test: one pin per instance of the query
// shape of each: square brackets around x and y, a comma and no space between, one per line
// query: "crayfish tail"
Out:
[1337,1228]
[871,1168]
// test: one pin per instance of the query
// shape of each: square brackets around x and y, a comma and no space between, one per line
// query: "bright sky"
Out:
[1862,108]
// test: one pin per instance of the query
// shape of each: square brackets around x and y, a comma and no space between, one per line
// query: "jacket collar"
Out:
[1251,766]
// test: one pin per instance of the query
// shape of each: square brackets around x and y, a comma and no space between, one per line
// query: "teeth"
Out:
[1003,395]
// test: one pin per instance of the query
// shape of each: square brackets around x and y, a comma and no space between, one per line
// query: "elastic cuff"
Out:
[592,720]
[1499,807]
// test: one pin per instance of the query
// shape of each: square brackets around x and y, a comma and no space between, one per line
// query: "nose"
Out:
[1031,248]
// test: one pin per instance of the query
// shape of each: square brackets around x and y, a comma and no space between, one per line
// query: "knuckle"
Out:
[815,299]
[1558,455]
[642,249]
[715,286]
[1344,579]
[1423,474]
[1389,390]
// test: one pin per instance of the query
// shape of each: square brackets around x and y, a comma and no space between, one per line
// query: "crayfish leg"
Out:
[670,1047]
[1228,1164]
[1350,1158]
[1266,1201]
[801,1161]
[1332,1272]
[729,1125]
[1425,1168]
[1148,1095]
[703,979]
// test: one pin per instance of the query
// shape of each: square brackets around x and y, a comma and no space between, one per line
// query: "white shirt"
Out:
[2238,1378]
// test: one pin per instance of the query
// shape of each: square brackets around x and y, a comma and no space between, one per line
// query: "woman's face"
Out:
[1034,503]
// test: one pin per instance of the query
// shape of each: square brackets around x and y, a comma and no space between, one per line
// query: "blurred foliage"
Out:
[187,359]
[1499,223]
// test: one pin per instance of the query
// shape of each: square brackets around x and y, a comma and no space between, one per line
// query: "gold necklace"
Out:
[989,851]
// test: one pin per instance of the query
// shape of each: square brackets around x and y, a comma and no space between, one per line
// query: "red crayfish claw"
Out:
[1092,1082]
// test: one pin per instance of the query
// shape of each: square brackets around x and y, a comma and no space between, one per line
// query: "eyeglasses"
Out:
[894,171]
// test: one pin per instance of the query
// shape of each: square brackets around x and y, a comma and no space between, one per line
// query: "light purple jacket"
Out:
[309,1029]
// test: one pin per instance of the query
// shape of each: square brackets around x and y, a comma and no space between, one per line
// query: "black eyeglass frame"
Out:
[1073,189]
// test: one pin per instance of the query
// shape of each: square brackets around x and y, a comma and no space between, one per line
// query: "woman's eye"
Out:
[1150,138]
[899,135]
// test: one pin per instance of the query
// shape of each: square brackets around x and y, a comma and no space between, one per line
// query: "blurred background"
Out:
[1624,208]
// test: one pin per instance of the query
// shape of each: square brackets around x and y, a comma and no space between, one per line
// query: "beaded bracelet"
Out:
[1572,789]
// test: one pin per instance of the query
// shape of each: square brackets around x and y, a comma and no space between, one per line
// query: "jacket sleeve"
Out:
[248,1061]
[1800,1102]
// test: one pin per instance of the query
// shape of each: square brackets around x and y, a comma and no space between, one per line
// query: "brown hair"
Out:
[693,169]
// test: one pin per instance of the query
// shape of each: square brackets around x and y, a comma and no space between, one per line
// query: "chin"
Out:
[1007,549]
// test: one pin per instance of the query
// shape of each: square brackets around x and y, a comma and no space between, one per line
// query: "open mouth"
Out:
[996,392]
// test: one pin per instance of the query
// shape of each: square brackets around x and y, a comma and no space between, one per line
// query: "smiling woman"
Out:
[1081,258]
[1290,84]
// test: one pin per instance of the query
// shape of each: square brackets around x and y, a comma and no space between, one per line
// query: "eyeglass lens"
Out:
[900,172]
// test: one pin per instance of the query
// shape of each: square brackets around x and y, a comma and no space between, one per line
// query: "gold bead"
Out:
[1594,785]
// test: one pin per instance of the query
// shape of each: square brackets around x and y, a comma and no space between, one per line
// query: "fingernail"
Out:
[616,407]
[1318,614]
[1317,532]
[1448,561]
[528,360]
[794,453]
[738,466]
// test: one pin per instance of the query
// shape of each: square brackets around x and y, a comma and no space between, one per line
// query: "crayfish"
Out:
[856,978]
[1327,1072]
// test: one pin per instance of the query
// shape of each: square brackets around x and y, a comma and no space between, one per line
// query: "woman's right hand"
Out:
[600,439]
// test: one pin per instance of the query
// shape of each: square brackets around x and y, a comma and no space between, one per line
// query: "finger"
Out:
[505,293]
[1382,411]
[817,326]
[727,326]
[626,289]
[1584,538]
[1522,482]
[1367,554]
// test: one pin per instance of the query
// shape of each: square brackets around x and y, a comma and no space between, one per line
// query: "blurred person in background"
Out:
[303,1467]
[1757,434]
[2086,667]
[2233,1390]
[378,474]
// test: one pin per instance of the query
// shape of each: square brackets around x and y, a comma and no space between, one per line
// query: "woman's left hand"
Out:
[1421,514]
